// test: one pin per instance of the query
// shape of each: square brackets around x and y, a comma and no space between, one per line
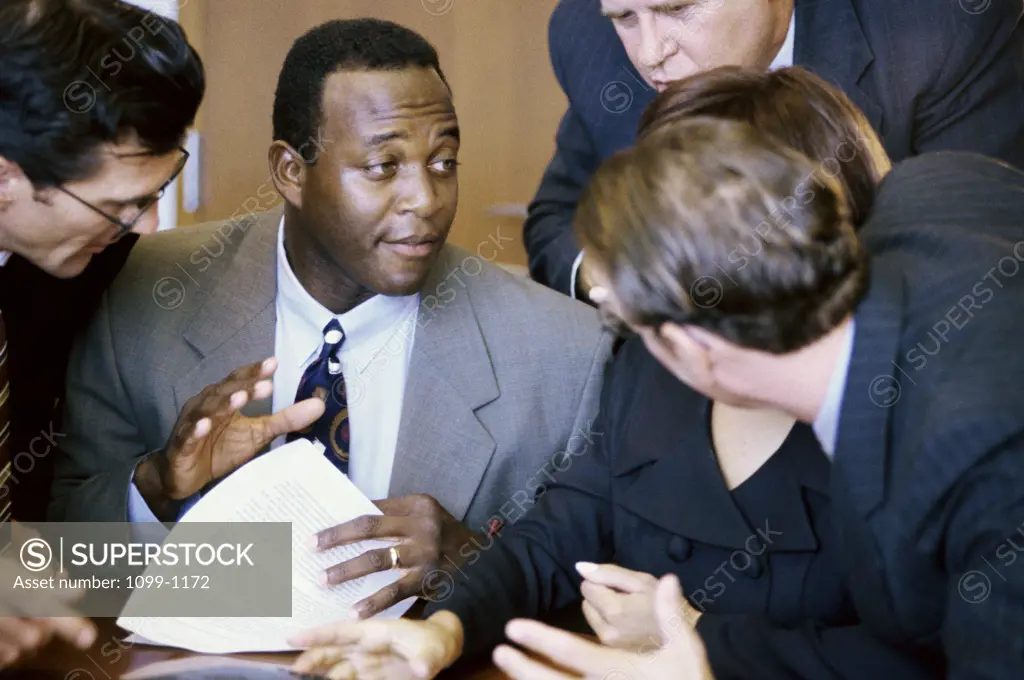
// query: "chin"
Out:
[68,268]
[400,286]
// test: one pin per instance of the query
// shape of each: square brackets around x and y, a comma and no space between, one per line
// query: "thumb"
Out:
[296,417]
[668,603]
[677,636]
[614,576]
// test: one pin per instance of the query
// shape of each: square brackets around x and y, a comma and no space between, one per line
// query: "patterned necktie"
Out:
[324,380]
[5,433]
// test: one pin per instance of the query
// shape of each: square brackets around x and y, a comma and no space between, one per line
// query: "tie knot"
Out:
[333,333]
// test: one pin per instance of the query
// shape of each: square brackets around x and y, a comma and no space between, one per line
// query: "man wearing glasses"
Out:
[95,98]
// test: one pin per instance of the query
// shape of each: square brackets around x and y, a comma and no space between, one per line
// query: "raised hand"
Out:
[429,541]
[211,438]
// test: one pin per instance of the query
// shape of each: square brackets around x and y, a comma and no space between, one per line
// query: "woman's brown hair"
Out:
[794,106]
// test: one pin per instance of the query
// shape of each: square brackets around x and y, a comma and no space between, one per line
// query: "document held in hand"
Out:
[293,483]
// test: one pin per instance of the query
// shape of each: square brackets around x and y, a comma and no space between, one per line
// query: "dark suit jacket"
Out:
[646,492]
[928,74]
[43,314]
[928,479]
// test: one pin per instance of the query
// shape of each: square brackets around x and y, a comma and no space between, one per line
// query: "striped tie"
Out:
[5,436]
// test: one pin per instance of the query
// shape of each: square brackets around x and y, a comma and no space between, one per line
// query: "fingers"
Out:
[260,370]
[614,576]
[370,562]
[609,603]
[564,649]
[78,631]
[424,647]
[223,398]
[518,666]
[340,633]
[296,417]
[19,638]
[400,506]
[366,528]
[669,604]
[407,586]
[605,632]
[319,659]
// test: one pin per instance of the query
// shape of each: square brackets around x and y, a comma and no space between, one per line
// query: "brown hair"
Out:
[699,224]
[795,106]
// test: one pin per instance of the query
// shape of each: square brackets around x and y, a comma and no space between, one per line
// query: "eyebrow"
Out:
[663,7]
[451,131]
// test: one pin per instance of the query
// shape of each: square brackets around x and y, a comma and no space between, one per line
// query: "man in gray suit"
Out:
[438,382]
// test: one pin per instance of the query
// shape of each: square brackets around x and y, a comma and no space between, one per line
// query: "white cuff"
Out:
[572,277]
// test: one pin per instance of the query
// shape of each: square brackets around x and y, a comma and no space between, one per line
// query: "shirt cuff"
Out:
[139,510]
[572,275]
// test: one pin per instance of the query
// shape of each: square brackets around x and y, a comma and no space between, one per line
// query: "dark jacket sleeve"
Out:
[102,443]
[742,647]
[529,569]
[984,613]
[976,102]
[547,233]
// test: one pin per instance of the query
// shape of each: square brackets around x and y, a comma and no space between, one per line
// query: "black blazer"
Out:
[644,489]
[928,478]
[928,74]
[43,314]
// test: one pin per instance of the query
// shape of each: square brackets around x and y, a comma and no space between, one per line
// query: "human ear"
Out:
[288,171]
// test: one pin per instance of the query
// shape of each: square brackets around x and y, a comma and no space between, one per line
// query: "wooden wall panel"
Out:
[494,53]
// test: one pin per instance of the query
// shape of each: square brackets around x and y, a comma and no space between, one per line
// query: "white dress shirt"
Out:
[375,355]
[782,60]
[826,424]
[379,336]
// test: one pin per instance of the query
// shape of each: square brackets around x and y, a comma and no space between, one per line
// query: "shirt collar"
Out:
[368,326]
[826,424]
[785,56]
[4,256]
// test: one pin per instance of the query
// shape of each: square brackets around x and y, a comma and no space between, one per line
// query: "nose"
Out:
[655,44]
[149,221]
[418,194]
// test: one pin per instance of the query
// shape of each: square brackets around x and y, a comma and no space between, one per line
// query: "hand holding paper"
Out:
[429,538]
[295,484]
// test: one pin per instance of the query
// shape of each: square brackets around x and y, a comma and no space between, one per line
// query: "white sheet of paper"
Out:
[293,483]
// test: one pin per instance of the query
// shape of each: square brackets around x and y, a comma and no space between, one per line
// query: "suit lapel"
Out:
[236,325]
[442,445]
[873,387]
[667,448]
[830,42]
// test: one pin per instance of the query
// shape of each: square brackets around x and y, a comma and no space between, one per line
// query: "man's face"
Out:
[668,40]
[60,234]
[382,197]
[676,350]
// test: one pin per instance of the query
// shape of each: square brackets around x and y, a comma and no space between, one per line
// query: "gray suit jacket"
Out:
[503,372]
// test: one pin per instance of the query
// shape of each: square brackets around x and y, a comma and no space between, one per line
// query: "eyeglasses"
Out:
[142,206]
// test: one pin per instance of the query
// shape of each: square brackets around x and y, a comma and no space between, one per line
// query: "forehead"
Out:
[126,170]
[355,102]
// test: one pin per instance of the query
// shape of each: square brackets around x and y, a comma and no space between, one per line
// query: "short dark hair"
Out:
[75,74]
[669,223]
[793,105]
[340,45]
